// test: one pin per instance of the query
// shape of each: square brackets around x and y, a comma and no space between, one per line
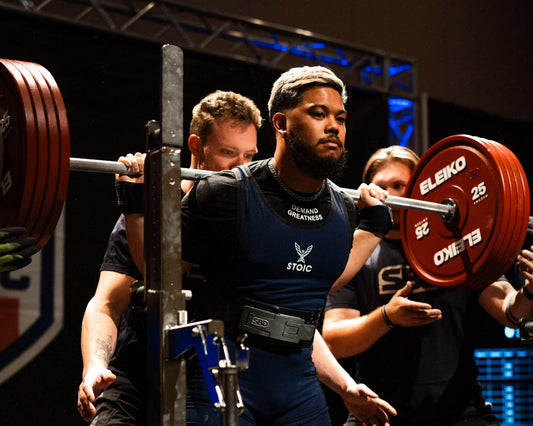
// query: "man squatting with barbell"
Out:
[415,342]
[271,237]
[222,136]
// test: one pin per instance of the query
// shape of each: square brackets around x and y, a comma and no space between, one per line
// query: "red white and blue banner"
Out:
[31,306]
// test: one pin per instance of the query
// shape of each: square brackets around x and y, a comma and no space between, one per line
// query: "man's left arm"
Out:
[361,401]
[364,243]
[376,221]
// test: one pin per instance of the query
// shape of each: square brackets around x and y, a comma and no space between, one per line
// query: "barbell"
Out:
[463,221]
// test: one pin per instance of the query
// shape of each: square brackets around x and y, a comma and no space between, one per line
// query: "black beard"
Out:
[317,167]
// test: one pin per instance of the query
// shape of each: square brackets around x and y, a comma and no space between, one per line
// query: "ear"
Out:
[279,121]
[194,143]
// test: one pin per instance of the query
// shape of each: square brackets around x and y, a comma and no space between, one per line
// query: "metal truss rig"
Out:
[245,39]
[240,38]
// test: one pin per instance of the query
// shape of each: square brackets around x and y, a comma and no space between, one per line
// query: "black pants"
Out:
[117,406]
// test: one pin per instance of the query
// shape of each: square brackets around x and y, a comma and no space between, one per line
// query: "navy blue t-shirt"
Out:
[254,240]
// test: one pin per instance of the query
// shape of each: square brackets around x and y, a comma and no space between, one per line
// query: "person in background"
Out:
[414,342]
[222,135]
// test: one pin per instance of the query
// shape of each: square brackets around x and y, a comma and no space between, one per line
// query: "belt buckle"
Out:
[281,327]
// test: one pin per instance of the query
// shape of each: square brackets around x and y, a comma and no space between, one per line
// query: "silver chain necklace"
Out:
[290,191]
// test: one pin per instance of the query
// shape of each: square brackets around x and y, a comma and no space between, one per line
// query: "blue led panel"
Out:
[506,375]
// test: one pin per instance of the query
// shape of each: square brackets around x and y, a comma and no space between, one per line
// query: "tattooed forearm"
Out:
[104,349]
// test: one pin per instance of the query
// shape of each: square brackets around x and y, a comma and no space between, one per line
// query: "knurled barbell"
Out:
[464,219]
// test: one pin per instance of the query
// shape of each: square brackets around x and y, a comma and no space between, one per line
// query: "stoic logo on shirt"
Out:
[300,265]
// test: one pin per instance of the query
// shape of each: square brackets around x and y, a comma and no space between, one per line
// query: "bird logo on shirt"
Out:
[301,253]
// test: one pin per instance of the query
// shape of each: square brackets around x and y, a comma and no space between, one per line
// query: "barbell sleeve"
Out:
[102,166]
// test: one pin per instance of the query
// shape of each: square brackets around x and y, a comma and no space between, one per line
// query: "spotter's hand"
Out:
[15,249]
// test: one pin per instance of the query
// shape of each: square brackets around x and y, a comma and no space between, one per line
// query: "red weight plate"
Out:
[64,160]
[452,254]
[525,200]
[42,150]
[20,147]
[53,151]
[13,158]
[504,235]
[494,264]
[524,194]
[492,267]
[515,219]
[521,207]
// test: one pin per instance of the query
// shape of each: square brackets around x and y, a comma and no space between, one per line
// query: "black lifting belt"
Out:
[285,326]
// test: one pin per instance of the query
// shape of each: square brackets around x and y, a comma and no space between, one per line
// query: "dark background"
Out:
[110,85]
[474,53]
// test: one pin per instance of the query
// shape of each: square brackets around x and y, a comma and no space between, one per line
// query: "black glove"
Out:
[15,252]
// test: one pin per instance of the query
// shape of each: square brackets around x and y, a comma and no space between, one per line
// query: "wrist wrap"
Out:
[130,197]
[376,219]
